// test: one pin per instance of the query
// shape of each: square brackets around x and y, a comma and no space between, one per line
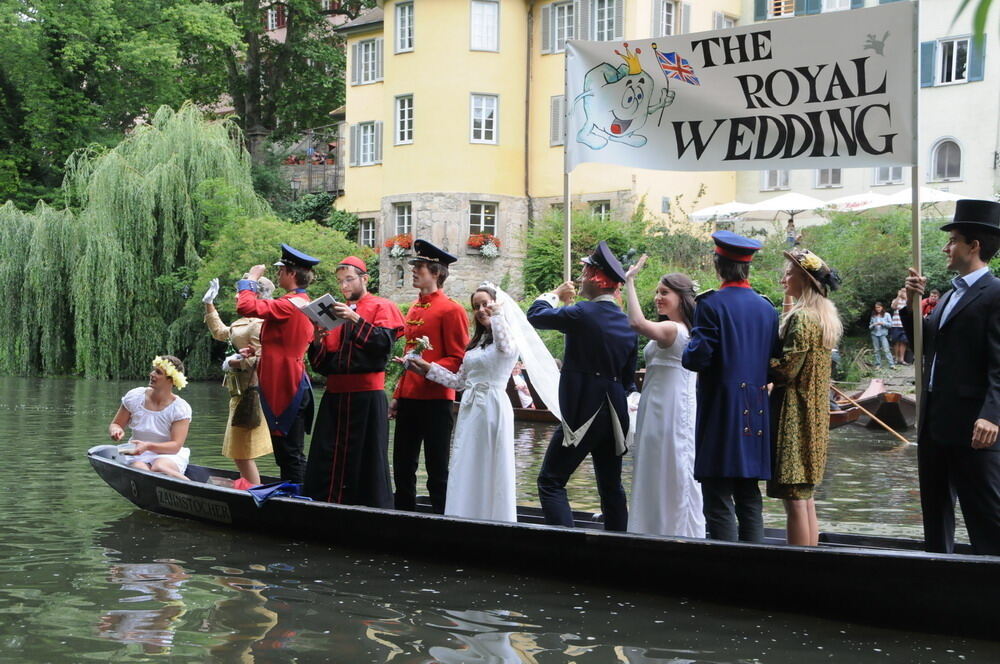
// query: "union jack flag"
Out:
[674,66]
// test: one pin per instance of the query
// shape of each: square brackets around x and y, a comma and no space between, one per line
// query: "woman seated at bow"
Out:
[159,420]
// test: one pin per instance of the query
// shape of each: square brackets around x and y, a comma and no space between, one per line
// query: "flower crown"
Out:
[170,371]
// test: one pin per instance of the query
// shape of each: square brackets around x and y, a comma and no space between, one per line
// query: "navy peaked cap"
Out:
[428,253]
[293,257]
[605,260]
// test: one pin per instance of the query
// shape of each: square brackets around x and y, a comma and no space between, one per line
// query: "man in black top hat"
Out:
[598,372]
[422,408]
[958,455]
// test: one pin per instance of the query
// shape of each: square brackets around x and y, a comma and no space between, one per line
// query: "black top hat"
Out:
[428,253]
[604,260]
[293,257]
[974,214]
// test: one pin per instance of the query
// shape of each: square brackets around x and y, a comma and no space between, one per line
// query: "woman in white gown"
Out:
[666,499]
[481,474]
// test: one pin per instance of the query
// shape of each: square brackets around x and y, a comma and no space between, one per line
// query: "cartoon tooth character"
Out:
[616,102]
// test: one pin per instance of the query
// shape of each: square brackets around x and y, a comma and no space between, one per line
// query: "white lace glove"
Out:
[212,292]
[225,363]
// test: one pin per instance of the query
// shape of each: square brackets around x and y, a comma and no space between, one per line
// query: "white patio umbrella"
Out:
[857,202]
[927,195]
[791,204]
[722,210]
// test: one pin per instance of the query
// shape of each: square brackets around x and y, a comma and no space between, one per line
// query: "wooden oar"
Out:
[871,415]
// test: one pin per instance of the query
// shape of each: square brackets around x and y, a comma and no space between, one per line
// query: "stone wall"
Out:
[443,220]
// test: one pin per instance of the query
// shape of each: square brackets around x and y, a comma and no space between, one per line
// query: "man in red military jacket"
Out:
[285,390]
[422,408]
[349,455]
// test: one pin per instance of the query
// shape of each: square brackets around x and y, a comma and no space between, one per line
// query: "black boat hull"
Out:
[892,587]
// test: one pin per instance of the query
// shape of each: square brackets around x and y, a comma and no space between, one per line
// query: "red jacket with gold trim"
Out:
[284,337]
[444,322]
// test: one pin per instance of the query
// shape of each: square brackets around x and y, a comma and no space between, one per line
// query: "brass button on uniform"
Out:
[746,429]
[760,412]
[743,384]
[760,433]
[746,412]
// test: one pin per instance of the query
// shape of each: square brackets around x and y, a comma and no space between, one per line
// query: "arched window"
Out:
[399,276]
[946,161]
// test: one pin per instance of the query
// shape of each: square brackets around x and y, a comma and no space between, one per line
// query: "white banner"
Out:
[824,91]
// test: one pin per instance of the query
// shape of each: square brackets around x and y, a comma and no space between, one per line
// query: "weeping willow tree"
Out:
[97,286]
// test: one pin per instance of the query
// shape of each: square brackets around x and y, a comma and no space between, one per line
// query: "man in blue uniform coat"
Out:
[734,334]
[597,374]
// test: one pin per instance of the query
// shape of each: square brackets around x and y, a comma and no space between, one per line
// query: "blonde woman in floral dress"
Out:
[810,328]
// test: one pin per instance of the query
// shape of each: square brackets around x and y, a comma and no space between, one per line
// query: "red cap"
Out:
[354,261]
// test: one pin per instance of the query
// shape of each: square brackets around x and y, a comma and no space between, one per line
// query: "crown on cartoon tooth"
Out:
[632,59]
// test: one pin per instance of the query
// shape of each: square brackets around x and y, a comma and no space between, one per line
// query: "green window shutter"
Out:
[857,4]
[927,57]
[811,7]
[977,58]
[759,10]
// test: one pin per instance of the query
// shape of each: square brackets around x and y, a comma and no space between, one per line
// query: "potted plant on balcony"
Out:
[399,245]
[486,244]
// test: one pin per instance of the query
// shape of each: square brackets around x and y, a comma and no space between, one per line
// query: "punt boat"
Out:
[876,580]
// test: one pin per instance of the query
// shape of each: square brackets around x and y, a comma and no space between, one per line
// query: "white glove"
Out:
[228,367]
[212,292]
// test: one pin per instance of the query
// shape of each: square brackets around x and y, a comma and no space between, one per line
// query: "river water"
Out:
[86,577]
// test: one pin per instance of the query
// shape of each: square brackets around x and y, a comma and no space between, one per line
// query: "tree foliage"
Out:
[75,74]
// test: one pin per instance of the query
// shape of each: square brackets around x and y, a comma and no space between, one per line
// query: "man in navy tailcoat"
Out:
[734,335]
[597,374]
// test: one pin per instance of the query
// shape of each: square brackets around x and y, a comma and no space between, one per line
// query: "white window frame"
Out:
[366,232]
[825,178]
[326,5]
[367,152]
[668,9]
[368,61]
[601,209]
[774,180]
[483,217]
[272,19]
[403,131]
[938,145]
[484,37]
[488,136]
[835,6]
[723,21]
[602,27]
[404,27]
[780,8]
[889,179]
[402,218]
[564,12]
[951,44]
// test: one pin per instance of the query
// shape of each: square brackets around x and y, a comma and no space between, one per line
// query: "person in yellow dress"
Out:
[248,437]
[809,329]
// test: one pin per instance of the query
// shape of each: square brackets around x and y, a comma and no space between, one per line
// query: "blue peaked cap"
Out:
[291,256]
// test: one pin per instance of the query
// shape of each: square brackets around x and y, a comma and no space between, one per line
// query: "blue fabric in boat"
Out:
[265,492]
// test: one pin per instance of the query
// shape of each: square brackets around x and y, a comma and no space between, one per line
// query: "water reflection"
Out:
[158,585]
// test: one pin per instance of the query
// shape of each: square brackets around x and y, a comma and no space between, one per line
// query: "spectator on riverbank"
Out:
[897,336]
[928,303]
[879,325]
[810,329]
[159,420]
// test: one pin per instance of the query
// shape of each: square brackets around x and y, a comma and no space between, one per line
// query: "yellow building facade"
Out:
[454,125]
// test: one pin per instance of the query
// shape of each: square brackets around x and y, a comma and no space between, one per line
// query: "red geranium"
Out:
[404,240]
[477,240]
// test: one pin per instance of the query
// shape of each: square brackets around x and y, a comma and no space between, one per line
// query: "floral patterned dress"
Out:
[802,403]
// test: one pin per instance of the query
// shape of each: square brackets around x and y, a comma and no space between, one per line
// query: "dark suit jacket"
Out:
[599,360]
[967,372]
